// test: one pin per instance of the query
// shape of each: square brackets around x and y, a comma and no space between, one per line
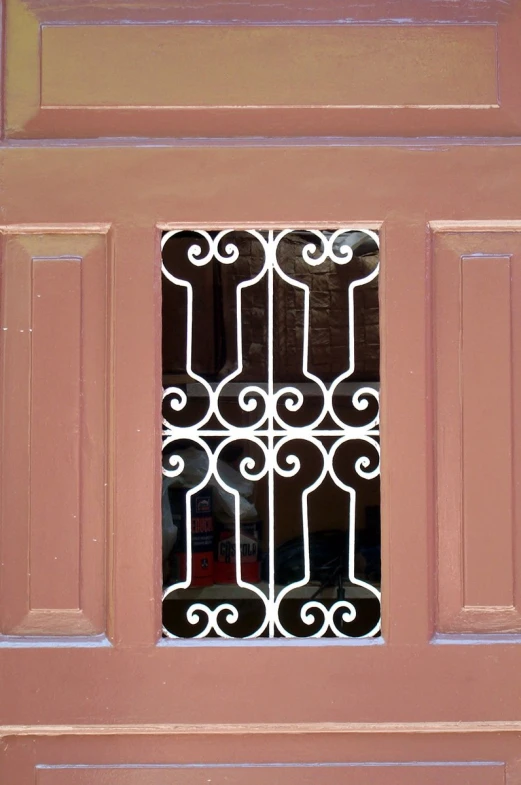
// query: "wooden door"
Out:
[125,120]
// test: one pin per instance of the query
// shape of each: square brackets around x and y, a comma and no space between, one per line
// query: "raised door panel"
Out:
[82,66]
[349,774]
[477,289]
[68,73]
[231,756]
[53,449]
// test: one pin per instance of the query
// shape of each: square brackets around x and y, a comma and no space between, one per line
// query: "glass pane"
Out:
[271,457]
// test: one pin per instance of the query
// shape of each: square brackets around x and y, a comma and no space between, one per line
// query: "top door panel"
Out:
[389,70]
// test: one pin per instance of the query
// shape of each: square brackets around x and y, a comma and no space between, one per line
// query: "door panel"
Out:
[82,66]
[395,756]
[68,76]
[361,774]
[477,290]
[54,305]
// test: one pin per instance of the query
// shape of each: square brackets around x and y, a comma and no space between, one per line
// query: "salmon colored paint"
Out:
[429,154]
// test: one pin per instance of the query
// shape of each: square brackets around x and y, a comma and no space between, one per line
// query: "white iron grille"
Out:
[271,433]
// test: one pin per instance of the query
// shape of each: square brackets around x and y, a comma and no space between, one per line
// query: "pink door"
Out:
[130,127]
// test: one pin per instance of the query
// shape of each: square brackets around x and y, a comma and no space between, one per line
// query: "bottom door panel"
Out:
[446,773]
[255,756]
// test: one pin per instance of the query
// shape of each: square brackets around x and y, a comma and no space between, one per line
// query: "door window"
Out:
[271,455]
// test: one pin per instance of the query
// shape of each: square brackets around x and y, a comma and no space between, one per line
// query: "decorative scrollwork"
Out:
[273,428]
